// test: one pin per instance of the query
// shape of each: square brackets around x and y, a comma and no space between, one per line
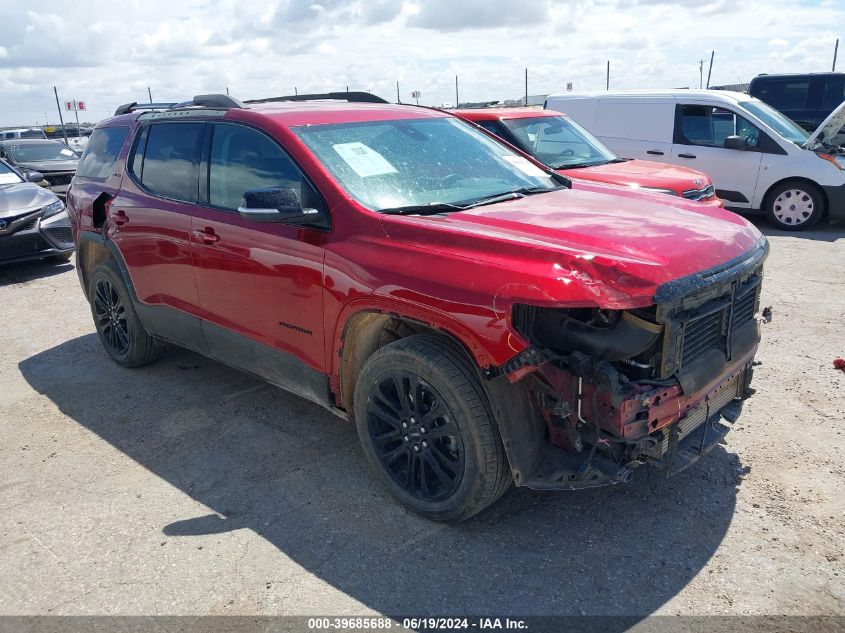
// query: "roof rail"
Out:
[126,108]
[351,97]
[202,101]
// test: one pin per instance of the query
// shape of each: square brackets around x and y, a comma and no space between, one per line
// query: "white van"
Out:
[759,160]
[29,132]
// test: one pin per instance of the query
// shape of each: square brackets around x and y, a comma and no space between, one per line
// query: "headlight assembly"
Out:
[52,209]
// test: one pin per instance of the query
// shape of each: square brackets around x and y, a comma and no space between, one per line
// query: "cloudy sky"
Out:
[107,53]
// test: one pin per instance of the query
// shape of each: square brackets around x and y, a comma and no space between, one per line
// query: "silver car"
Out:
[33,220]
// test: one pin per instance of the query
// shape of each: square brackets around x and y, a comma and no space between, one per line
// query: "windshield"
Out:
[410,162]
[46,151]
[559,142]
[7,175]
[775,120]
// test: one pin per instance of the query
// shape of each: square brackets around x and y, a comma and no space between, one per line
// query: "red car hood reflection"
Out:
[632,240]
[643,173]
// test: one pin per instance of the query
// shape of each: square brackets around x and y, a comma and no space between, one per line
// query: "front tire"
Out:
[795,205]
[426,428]
[118,326]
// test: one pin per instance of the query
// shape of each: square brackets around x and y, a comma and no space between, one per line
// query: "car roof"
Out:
[667,94]
[29,141]
[779,75]
[294,113]
[488,114]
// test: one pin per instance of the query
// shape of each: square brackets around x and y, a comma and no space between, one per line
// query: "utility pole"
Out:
[457,101]
[710,70]
[835,51]
[295,91]
[398,100]
[61,118]
[526,86]
[607,82]
[700,73]
[150,94]
[227,91]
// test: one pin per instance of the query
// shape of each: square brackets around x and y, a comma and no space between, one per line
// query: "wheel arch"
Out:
[93,249]
[518,420]
[366,331]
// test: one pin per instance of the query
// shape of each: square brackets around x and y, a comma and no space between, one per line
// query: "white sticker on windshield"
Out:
[8,179]
[66,152]
[364,160]
[525,166]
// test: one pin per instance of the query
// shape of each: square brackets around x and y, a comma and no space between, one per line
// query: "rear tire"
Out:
[795,205]
[118,326]
[426,428]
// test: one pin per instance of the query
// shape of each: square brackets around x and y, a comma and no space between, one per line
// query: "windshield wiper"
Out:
[579,165]
[448,207]
[423,209]
[514,194]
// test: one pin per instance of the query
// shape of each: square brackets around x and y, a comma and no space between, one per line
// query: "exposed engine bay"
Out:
[660,385]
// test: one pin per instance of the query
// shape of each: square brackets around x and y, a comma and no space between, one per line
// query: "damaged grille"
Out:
[712,326]
[695,417]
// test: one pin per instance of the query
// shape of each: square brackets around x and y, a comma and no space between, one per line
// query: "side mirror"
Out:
[33,176]
[735,142]
[276,204]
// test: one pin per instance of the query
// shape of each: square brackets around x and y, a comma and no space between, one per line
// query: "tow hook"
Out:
[767,314]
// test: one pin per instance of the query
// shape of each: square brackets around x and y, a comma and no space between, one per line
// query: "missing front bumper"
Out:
[678,446]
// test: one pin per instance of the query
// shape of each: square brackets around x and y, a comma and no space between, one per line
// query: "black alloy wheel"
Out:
[427,428]
[118,327]
[415,436]
[110,317]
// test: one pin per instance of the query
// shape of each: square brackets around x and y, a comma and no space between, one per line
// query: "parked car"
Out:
[561,144]
[480,321]
[806,98]
[53,159]
[77,136]
[22,133]
[33,221]
[760,161]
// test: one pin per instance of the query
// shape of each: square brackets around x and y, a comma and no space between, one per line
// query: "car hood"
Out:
[642,173]
[48,166]
[21,197]
[607,245]
[829,128]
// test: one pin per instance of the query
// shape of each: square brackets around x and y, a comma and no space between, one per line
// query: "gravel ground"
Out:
[188,488]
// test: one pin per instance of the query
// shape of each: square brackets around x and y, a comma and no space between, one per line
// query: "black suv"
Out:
[807,99]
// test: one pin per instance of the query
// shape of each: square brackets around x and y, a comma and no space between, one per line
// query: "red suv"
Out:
[560,143]
[481,322]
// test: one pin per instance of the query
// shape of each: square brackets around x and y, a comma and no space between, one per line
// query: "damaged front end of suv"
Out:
[615,389]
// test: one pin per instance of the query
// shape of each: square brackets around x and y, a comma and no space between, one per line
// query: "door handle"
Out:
[654,152]
[206,236]
[686,155]
[119,217]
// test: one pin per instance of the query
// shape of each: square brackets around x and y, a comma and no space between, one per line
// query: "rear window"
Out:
[167,159]
[102,152]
